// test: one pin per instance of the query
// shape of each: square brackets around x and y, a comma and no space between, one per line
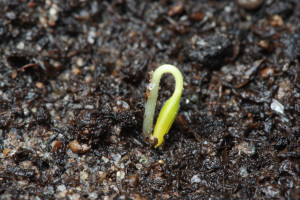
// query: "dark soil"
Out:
[72,80]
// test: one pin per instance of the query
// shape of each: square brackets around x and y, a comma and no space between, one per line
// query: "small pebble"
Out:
[116,158]
[195,179]
[243,172]
[83,175]
[277,106]
[63,194]
[105,159]
[11,15]
[39,85]
[79,62]
[267,72]
[276,20]
[76,71]
[23,182]
[88,78]
[20,45]
[263,44]
[62,188]
[74,196]
[138,166]
[79,148]
[53,15]
[120,175]
[92,35]
[194,97]
[123,104]
[6,151]
[176,10]
[197,16]
[250,4]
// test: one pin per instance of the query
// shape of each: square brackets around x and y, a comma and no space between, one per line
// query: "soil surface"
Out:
[73,75]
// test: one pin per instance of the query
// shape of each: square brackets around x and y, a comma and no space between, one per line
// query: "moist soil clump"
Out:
[73,75]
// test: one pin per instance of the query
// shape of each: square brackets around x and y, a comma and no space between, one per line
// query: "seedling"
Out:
[169,111]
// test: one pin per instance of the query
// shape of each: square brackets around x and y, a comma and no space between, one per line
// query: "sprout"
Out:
[169,111]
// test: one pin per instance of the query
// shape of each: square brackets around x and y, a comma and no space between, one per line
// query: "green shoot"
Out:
[169,111]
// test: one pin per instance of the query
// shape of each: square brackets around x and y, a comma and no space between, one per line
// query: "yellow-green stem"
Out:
[169,111]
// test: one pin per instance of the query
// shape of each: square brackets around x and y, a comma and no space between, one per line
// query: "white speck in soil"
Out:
[195,179]
[277,107]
